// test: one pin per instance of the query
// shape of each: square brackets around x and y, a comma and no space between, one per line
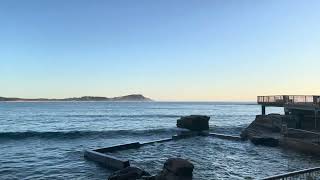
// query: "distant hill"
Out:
[132,97]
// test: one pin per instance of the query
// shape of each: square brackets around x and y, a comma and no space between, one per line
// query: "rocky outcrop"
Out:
[176,169]
[281,130]
[194,122]
[264,130]
[132,97]
[173,169]
[264,126]
[129,173]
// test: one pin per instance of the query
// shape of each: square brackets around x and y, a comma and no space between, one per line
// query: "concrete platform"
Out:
[108,161]
[224,136]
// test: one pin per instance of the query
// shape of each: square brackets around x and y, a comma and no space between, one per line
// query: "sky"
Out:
[168,50]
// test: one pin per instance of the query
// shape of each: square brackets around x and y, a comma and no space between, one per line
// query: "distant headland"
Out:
[132,97]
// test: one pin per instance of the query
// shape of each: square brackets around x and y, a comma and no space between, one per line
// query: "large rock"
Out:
[265,141]
[129,173]
[176,169]
[265,126]
[194,122]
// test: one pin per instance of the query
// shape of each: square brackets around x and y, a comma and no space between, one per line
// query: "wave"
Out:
[109,134]
[84,134]
[123,116]
[233,130]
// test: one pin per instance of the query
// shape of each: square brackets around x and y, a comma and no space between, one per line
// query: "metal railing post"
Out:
[305,99]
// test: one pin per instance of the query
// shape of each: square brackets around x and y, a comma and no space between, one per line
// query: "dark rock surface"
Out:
[173,169]
[176,169]
[265,141]
[281,130]
[264,126]
[194,122]
[129,173]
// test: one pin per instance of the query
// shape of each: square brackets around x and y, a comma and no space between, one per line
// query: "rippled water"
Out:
[220,159]
[46,140]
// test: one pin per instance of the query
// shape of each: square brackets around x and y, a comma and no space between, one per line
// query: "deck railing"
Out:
[289,99]
[306,174]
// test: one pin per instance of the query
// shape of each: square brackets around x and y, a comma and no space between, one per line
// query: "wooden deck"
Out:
[308,102]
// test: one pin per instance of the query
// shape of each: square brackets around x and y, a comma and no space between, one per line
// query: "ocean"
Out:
[46,140]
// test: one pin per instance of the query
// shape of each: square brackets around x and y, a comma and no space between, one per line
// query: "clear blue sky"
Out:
[166,50]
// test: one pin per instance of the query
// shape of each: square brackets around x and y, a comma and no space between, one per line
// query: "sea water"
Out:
[46,140]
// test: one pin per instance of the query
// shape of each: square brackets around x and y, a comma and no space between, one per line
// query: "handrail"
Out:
[295,173]
[289,99]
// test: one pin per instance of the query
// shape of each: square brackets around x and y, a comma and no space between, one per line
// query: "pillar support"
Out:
[263,109]
[315,118]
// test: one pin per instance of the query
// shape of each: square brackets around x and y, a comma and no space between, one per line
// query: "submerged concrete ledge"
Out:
[197,124]
[108,161]
[114,163]
[156,141]
[119,147]
[185,135]
[224,136]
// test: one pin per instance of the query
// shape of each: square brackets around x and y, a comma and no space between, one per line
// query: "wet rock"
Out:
[176,169]
[265,141]
[148,178]
[244,134]
[194,122]
[267,124]
[129,173]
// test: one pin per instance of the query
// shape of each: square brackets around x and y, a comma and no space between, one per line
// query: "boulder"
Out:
[265,141]
[129,173]
[176,169]
[194,122]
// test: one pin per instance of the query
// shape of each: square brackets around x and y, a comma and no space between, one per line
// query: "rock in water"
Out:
[176,169]
[129,173]
[194,122]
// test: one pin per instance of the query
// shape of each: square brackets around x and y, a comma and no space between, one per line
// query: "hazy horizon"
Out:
[156,100]
[165,50]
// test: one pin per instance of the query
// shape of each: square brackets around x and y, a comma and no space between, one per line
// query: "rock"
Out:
[244,134]
[194,122]
[176,169]
[265,141]
[148,178]
[129,173]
